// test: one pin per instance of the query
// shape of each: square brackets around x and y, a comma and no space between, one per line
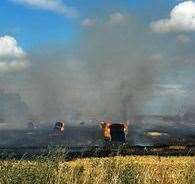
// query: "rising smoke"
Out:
[107,73]
[110,70]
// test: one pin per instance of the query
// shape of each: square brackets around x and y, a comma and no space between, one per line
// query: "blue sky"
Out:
[31,26]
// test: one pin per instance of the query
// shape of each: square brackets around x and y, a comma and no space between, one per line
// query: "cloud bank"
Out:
[88,22]
[117,18]
[50,5]
[12,57]
[182,19]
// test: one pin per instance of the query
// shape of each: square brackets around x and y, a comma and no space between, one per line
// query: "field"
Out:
[111,170]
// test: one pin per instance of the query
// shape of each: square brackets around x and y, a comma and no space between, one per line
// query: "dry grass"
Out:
[113,170]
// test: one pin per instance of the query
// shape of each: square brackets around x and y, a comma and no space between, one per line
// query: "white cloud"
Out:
[182,19]
[87,22]
[51,5]
[117,18]
[170,90]
[183,39]
[156,57]
[12,57]
[170,86]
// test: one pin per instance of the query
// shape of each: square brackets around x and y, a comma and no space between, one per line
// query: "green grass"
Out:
[112,170]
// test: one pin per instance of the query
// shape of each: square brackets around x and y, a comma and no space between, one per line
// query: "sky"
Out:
[94,48]
[32,25]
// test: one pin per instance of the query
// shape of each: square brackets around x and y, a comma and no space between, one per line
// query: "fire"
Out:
[156,134]
[59,126]
[106,129]
[114,132]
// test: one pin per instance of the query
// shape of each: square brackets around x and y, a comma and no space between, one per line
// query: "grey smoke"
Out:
[104,74]
[13,110]
[109,71]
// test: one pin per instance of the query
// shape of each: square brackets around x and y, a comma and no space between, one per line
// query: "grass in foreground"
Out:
[113,170]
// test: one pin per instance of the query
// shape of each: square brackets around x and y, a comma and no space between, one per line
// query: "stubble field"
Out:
[111,170]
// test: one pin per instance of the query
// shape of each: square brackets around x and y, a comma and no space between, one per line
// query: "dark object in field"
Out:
[59,127]
[82,123]
[117,132]
[31,126]
[114,132]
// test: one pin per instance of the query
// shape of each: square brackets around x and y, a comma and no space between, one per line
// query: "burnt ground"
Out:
[87,140]
[171,134]
[72,136]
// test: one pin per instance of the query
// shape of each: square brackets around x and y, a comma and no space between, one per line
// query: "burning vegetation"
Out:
[156,134]
[114,132]
[59,127]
